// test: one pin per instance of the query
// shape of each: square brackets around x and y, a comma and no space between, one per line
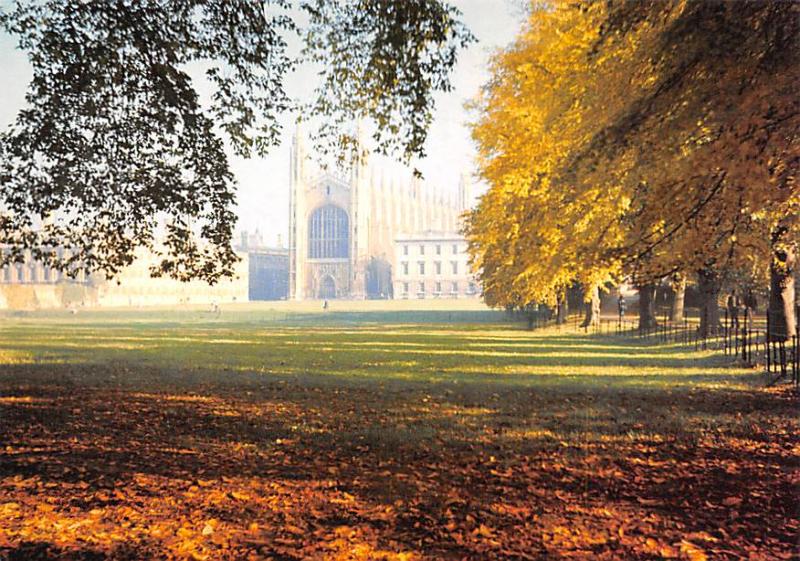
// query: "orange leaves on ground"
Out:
[173,480]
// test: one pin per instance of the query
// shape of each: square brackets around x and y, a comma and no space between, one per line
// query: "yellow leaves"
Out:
[573,140]
[653,546]
[549,229]
[667,552]
[296,530]
[184,533]
[8,509]
[209,527]
[693,552]
[524,68]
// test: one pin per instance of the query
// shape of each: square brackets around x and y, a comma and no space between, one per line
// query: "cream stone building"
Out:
[342,229]
[30,285]
[433,265]
[136,287]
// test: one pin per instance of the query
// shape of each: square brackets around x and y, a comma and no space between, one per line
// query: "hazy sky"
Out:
[263,195]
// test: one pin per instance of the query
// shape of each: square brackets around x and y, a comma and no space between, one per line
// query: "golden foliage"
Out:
[639,139]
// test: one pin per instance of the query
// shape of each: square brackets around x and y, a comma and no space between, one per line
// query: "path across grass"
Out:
[369,433]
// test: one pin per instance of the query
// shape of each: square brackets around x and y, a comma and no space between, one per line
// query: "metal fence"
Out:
[749,340]
[746,337]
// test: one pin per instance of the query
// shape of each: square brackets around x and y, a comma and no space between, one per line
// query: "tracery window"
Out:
[329,233]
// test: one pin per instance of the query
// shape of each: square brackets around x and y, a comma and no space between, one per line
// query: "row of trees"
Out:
[642,140]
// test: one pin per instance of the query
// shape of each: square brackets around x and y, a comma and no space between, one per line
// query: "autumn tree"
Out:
[669,132]
[114,149]
[721,138]
[533,236]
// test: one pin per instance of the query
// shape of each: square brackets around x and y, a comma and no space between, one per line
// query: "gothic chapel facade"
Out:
[342,229]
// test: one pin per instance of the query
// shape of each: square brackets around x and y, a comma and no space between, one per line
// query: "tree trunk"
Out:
[676,312]
[592,306]
[647,306]
[562,309]
[782,320]
[708,286]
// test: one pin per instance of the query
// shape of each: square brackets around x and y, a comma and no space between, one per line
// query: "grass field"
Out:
[381,431]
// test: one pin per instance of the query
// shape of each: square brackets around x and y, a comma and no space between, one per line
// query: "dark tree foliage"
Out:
[410,50]
[114,150]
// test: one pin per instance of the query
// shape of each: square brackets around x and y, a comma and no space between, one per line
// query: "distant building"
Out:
[433,265]
[342,230]
[268,272]
[31,285]
[136,287]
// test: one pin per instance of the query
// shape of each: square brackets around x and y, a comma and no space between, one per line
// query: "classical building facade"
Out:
[31,285]
[433,265]
[342,229]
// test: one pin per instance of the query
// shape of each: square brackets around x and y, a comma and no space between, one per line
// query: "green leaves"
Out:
[114,150]
[383,60]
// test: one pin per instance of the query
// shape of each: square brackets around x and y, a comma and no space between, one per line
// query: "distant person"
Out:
[325,305]
[750,305]
[622,305]
[733,309]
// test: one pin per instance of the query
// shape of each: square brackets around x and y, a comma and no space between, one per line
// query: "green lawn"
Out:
[381,431]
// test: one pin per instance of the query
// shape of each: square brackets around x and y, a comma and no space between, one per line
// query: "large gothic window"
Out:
[328,233]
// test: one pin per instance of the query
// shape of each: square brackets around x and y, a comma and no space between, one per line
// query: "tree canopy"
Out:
[637,139]
[114,149]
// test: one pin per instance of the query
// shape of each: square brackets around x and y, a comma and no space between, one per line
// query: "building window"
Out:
[421,289]
[329,233]
[438,249]
[7,274]
[405,250]
[405,268]
[20,273]
[438,265]
[454,265]
[455,249]
[421,249]
[438,287]
[405,287]
[455,287]
[422,267]
[472,288]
